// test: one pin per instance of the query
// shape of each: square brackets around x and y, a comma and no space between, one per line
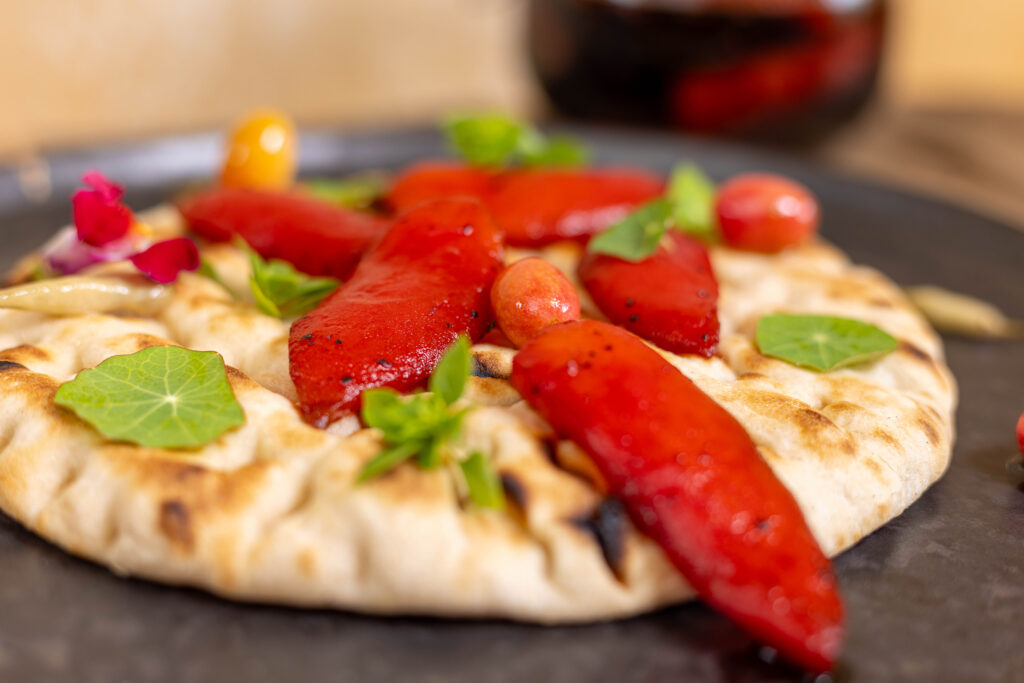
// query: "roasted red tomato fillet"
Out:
[316,237]
[427,281]
[533,206]
[691,479]
[669,298]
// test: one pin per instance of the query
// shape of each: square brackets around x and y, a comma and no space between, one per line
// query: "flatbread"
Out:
[270,511]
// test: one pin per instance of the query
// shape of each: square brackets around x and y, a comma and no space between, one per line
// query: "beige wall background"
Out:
[74,71]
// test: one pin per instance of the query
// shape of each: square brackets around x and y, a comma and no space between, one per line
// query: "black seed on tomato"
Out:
[494,323]
[630,303]
[346,379]
[704,337]
[633,318]
[307,337]
[384,362]
[475,314]
[448,325]
[338,342]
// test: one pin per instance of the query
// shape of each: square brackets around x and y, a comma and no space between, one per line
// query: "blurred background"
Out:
[947,113]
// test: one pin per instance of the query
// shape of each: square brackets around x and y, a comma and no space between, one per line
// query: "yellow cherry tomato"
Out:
[262,152]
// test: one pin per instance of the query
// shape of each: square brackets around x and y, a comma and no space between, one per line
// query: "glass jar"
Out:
[782,70]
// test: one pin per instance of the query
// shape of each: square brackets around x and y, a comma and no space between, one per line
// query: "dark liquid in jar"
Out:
[789,70]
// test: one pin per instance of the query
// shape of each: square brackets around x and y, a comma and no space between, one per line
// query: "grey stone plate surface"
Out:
[936,595]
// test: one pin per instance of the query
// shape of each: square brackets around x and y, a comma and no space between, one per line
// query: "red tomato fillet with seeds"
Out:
[316,237]
[533,207]
[669,298]
[427,281]
[691,479]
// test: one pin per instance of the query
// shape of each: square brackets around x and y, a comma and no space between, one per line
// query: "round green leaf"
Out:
[821,342]
[161,397]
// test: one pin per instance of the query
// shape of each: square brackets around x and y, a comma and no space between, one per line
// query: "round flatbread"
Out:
[271,511]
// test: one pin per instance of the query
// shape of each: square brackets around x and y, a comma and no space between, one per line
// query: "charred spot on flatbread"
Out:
[608,524]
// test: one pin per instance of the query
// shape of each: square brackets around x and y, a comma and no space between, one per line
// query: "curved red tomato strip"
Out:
[669,298]
[427,281]
[316,237]
[533,206]
[691,479]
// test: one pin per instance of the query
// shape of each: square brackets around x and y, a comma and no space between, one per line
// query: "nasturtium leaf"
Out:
[281,291]
[693,198]
[487,140]
[355,192]
[449,377]
[420,424]
[482,481]
[161,397]
[636,236]
[821,342]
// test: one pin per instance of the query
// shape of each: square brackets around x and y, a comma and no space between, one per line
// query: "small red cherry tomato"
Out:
[1020,433]
[529,295]
[765,212]
[261,152]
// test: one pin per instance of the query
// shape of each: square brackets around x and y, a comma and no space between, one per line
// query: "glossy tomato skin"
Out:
[262,152]
[533,207]
[765,212]
[316,237]
[529,295]
[438,180]
[691,479]
[1020,433]
[539,206]
[427,281]
[670,298]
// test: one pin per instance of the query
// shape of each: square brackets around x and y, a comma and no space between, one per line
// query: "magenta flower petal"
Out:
[99,215]
[163,261]
[110,192]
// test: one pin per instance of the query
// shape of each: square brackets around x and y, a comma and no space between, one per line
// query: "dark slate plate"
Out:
[936,595]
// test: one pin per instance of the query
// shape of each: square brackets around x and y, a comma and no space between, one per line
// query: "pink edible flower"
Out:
[100,217]
[163,261]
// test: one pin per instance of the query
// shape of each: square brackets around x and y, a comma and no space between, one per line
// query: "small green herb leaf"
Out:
[557,150]
[693,196]
[636,236]
[161,397]
[452,371]
[422,423]
[355,192]
[483,482]
[495,140]
[821,342]
[487,140]
[281,291]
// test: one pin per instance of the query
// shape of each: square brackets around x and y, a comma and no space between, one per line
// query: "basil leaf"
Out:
[494,140]
[821,342]
[487,140]
[483,482]
[422,423]
[355,192]
[449,378]
[636,236]
[387,460]
[693,199]
[558,150]
[161,397]
[281,291]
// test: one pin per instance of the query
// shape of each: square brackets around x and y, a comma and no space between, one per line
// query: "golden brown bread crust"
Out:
[270,511]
